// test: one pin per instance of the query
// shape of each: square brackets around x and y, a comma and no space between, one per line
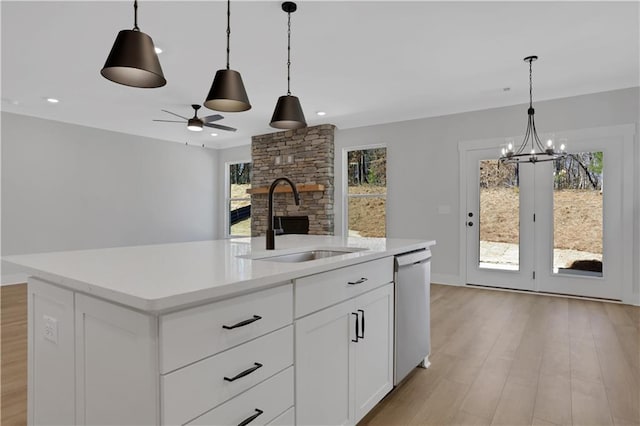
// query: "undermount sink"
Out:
[306,256]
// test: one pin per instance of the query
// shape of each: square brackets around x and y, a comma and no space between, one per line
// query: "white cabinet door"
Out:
[324,371]
[340,376]
[374,350]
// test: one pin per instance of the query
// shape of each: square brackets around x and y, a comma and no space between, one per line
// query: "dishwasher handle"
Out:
[413,257]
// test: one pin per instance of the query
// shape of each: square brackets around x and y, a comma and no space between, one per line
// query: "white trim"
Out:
[227,196]
[345,185]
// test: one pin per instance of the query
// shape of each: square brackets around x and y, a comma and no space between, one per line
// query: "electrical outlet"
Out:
[50,329]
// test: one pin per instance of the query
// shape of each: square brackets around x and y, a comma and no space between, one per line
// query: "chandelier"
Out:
[531,149]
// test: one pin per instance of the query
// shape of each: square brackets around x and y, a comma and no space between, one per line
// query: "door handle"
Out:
[361,311]
[357,323]
[470,223]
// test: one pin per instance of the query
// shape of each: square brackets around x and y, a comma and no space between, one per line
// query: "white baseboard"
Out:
[446,279]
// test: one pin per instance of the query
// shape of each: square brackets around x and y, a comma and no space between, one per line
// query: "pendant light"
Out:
[227,91]
[133,60]
[288,113]
[531,149]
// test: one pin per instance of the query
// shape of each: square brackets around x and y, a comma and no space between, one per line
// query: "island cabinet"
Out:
[314,350]
[344,352]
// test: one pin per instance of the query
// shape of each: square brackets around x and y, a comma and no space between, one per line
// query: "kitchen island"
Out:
[210,332]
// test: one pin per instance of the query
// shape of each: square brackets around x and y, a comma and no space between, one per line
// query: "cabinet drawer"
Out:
[267,400]
[318,291]
[193,334]
[192,390]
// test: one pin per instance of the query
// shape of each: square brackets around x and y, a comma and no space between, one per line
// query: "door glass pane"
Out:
[577,214]
[367,217]
[240,202]
[499,216]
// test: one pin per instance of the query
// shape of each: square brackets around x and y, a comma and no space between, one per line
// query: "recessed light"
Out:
[158,50]
[52,100]
[321,113]
[214,134]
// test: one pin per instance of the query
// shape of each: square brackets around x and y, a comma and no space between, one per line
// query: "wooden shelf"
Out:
[286,188]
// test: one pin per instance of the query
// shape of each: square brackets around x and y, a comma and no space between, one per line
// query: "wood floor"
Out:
[13,360]
[498,358]
[505,358]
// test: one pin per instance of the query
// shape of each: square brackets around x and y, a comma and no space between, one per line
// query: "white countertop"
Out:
[164,277]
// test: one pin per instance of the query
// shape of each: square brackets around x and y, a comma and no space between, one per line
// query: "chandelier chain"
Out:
[135,16]
[228,29]
[289,54]
[530,84]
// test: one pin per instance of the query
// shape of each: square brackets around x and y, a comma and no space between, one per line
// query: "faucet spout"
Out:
[271,234]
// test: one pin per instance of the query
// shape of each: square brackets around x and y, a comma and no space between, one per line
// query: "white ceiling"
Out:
[361,62]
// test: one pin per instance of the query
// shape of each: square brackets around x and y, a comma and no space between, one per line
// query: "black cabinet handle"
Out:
[361,311]
[357,323]
[242,323]
[248,420]
[246,372]
[360,281]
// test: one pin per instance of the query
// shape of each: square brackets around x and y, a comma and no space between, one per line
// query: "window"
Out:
[238,202]
[366,192]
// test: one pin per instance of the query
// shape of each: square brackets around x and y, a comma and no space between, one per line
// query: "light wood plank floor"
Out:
[13,359]
[497,358]
[506,358]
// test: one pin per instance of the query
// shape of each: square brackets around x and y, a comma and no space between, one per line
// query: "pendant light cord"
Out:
[289,54]
[135,16]
[228,29]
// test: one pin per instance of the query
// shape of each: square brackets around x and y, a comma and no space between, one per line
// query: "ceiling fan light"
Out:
[227,93]
[133,61]
[288,114]
[195,125]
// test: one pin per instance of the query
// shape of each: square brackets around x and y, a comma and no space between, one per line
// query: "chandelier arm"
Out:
[523,145]
[535,137]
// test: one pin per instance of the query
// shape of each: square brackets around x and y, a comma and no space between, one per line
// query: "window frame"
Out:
[345,186]
[228,199]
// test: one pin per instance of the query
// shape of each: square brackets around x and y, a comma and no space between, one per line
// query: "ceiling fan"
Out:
[196,124]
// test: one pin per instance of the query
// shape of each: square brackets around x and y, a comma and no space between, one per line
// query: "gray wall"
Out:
[70,187]
[423,172]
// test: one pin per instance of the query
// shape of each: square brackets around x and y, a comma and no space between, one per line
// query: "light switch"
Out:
[444,209]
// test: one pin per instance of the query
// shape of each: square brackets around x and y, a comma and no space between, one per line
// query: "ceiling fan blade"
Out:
[211,118]
[220,126]
[170,121]
[173,113]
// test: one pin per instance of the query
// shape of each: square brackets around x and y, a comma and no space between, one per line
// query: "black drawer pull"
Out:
[242,323]
[360,281]
[362,312]
[246,372]
[248,420]
[357,321]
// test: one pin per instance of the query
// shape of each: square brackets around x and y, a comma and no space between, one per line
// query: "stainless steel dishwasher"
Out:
[412,334]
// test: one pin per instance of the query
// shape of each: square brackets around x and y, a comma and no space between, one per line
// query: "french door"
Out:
[552,227]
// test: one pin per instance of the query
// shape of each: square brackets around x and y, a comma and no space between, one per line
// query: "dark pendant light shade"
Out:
[133,60]
[288,114]
[227,93]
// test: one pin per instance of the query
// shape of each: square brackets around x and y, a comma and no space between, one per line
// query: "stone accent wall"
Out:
[312,152]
